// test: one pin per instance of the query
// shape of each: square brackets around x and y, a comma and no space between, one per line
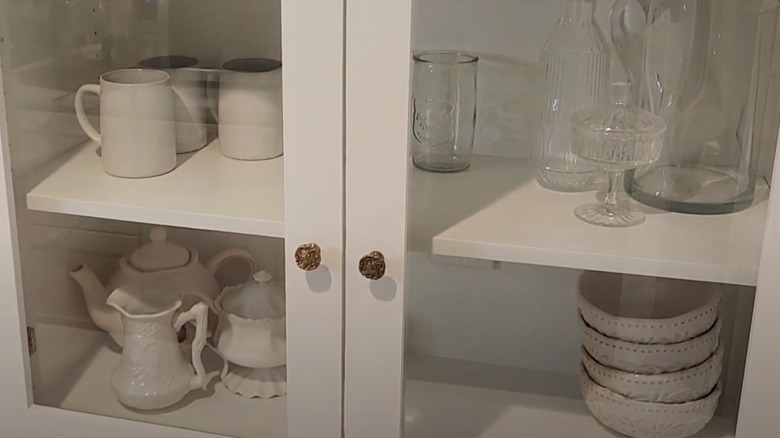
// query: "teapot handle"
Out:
[216,262]
[199,313]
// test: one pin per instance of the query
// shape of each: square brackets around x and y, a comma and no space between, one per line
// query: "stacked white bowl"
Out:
[651,353]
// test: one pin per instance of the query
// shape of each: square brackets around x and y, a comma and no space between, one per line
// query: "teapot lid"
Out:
[258,299]
[159,254]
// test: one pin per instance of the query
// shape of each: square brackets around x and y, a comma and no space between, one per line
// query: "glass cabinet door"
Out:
[161,251]
[555,218]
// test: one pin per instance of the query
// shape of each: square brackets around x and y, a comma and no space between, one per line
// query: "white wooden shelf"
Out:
[444,397]
[458,399]
[74,367]
[205,191]
[497,211]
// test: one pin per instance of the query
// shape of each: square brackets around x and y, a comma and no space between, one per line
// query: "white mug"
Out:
[138,137]
[190,107]
[250,109]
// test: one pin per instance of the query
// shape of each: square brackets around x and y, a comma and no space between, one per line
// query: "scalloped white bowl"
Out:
[647,310]
[255,382]
[679,387]
[638,419]
[649,358]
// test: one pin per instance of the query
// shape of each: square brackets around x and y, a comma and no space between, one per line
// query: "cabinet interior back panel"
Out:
[525,316]
[218,31]
[508,36]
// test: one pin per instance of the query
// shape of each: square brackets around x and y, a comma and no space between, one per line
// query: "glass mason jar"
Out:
[444,110]
[707,68]
[576,76]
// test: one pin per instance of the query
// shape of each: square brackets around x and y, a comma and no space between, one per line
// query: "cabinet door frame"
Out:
[758,408]
[378,76]
[313,46]
[378,84]
[313,50]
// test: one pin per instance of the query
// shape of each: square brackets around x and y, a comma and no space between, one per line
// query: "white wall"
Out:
[218,31]
[515,315]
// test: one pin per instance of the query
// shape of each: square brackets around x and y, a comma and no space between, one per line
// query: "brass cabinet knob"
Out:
[308,256]
[372,265]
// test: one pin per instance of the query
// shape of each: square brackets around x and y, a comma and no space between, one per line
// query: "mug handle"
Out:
[81,113]
[199,314]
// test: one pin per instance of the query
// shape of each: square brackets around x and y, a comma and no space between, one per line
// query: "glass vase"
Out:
[444,110]
[708,68]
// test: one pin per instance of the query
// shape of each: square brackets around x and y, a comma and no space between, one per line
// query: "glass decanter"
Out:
[576,65]
[616,138]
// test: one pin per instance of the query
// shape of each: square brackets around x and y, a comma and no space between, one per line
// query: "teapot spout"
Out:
[95,295]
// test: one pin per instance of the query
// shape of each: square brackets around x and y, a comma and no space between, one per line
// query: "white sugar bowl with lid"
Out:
[251,336]
[251,331]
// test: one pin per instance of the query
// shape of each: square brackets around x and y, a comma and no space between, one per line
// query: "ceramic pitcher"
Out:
[250,109]
[153,373]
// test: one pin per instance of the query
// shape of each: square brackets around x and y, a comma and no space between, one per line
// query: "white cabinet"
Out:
[60,209]
[473,331]
[418,304]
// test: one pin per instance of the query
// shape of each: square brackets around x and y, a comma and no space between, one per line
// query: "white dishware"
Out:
[152,373]
[679,387]
[190,106]
[252,337]
[159,265]
[255,382]
[647,310]
[650,358]
[250,109]
[137,135]
[638,419]
[617,138]
[252,327]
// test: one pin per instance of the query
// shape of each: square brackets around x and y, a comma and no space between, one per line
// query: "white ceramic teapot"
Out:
[159,266]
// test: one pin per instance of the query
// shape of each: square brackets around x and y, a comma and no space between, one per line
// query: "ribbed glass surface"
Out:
[576,62]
